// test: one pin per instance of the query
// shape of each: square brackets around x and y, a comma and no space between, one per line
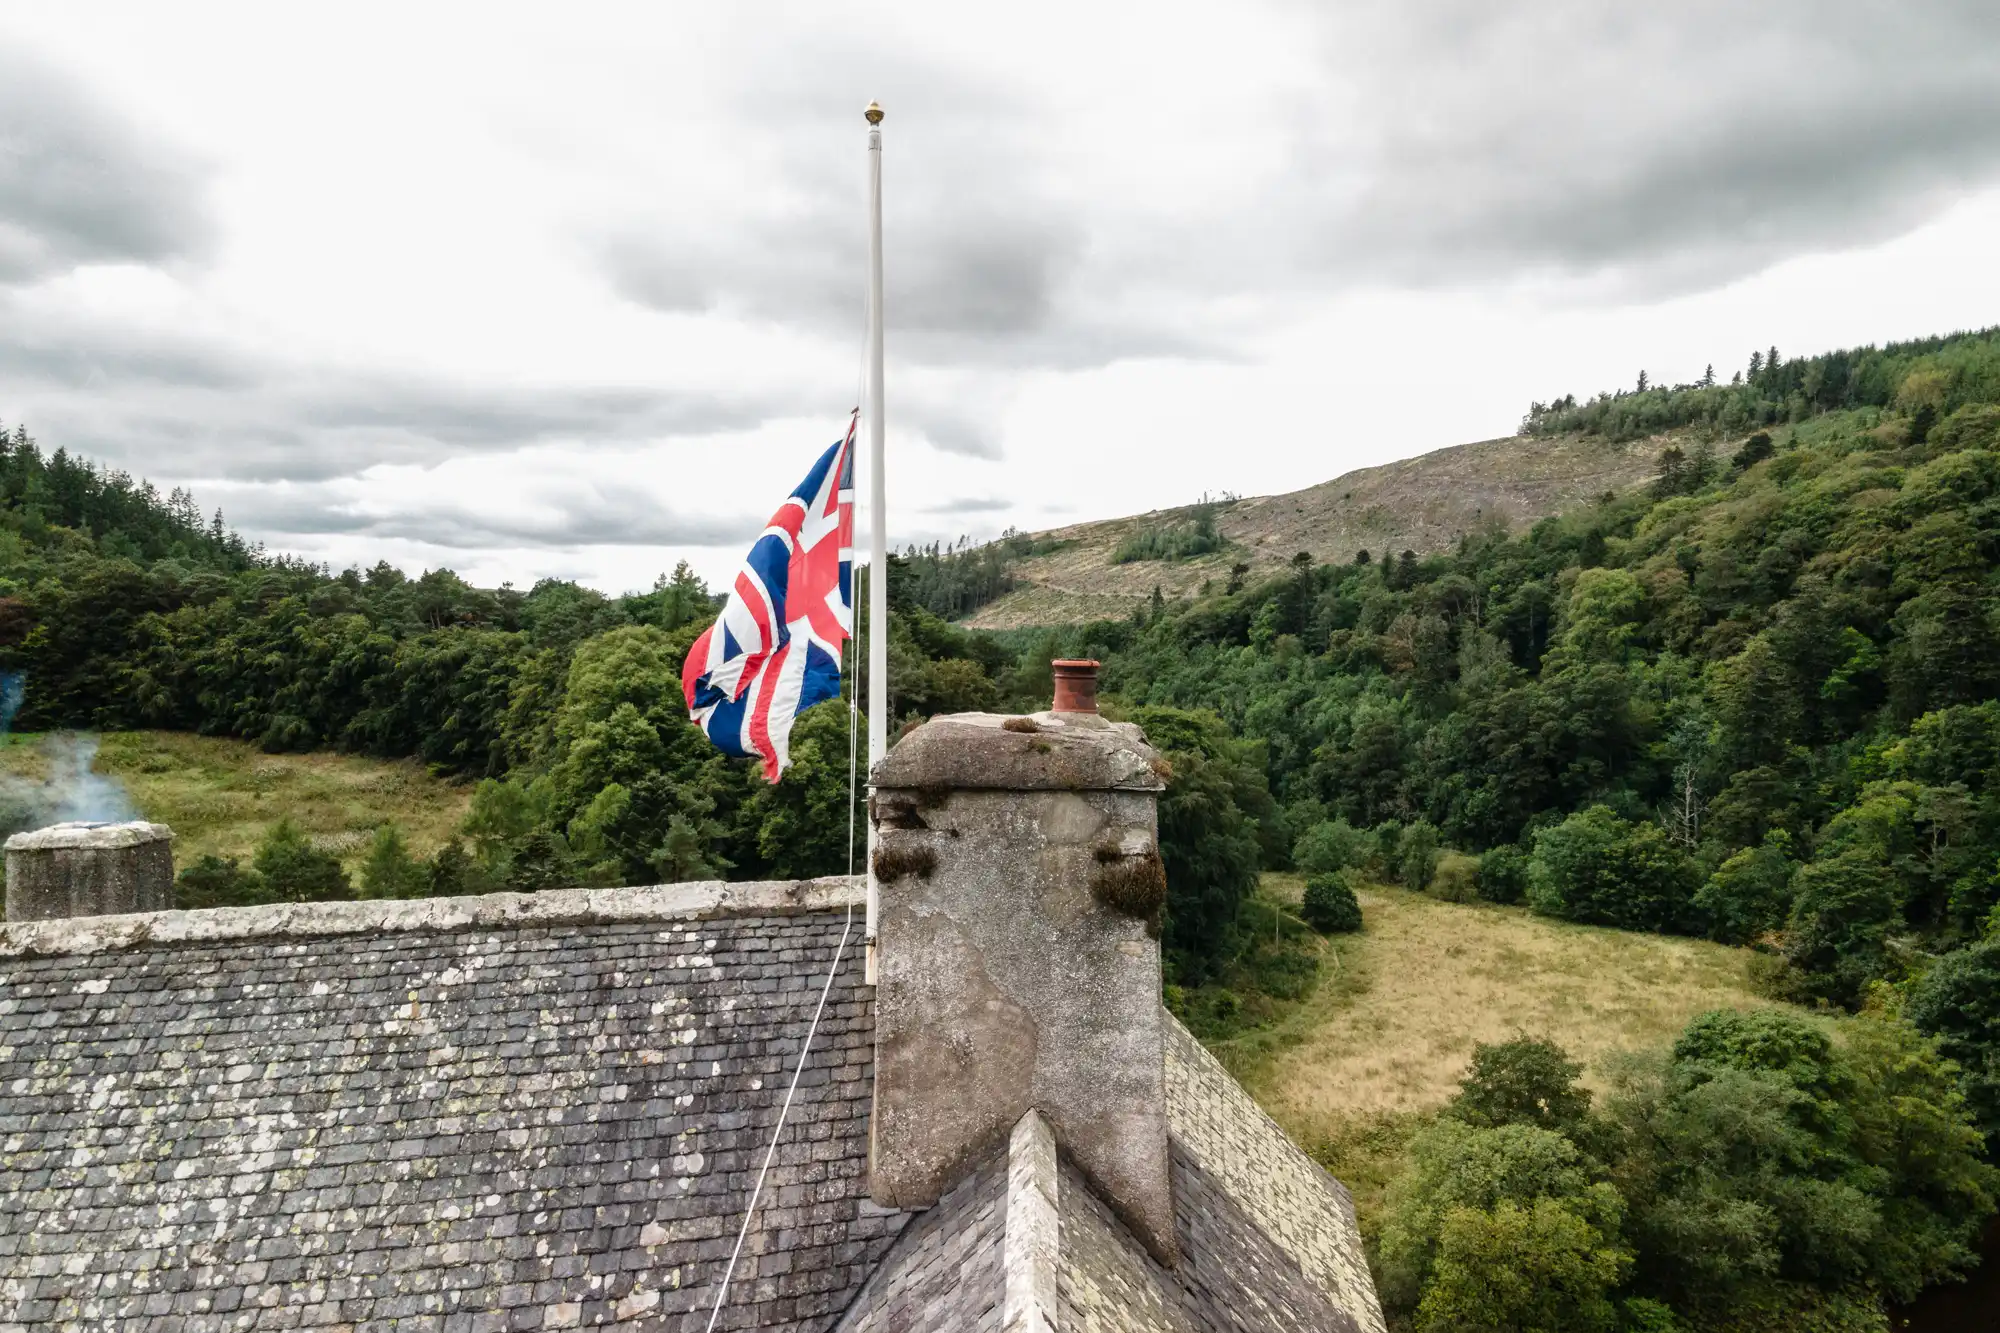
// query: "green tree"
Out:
[1597,868]
[1913,1126]
[1208,837]
[452,872]
[1538,1268]
[1843,914]
[218,881]
[1329,905]
[803,821]
[1525,1081]
[1737,1160]
[1958,1002]
[1455,1166]
[390,871]
[295,871]
[1750,893]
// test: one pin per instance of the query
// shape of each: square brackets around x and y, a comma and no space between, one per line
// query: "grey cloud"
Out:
[174,408]
[1591,150]
[964,284]
[1656,149]
[78,185]
[588,518]
[989,262]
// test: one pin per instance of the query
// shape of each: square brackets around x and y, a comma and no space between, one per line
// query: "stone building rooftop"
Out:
[548,1112]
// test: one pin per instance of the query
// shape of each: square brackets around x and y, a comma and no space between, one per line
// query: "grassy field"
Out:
[1353,1070]
[220,795]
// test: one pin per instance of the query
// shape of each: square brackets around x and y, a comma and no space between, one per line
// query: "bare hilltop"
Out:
[1421,504]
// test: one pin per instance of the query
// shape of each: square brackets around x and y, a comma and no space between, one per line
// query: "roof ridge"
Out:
[694,900]
[1031,1235]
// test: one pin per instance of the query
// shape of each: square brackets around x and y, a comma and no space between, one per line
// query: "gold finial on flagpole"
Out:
[874,113]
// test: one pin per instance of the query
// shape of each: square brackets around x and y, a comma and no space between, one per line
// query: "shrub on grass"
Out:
[1384,840]
[1417,855]
[1328,846]
[1456,879]
[1503,874]
[1330,906]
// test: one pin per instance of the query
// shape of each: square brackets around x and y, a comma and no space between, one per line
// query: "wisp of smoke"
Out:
[71,790]
[77,792]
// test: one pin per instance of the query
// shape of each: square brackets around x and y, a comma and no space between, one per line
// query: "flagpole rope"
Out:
[722,1292]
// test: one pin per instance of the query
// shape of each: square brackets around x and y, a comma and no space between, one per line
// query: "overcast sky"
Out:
[576,290]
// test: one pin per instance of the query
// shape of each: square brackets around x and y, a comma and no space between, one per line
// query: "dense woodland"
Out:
[1758,701]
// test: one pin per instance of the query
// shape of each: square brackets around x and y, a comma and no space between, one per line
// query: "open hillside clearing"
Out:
[1353,1070]
[221,795]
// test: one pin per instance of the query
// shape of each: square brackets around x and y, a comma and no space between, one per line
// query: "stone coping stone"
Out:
[1039,752]
[556,907]
[82,835]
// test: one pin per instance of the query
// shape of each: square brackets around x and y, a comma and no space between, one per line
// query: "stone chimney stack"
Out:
[89,870]
[1021,890]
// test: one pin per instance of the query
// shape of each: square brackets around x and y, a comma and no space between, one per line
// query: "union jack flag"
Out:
[775,650]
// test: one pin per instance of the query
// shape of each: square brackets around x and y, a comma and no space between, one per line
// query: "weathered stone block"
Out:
[76,869]
[1007,983]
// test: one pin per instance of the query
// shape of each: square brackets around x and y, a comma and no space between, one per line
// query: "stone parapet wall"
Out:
[560,907]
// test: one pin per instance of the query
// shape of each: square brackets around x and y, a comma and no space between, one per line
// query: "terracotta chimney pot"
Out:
[1076,685]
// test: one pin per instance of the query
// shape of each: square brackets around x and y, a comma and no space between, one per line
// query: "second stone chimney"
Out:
[80,869]
[1020,896]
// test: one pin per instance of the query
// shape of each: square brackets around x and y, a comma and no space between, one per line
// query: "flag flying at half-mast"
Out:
[775,650]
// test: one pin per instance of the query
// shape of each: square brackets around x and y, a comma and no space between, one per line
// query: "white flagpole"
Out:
[878,491]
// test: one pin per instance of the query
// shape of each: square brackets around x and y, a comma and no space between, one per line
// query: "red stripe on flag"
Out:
[760,712]
[696,664]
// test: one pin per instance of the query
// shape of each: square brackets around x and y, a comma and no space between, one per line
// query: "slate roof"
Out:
[547,1112]
[544,1125]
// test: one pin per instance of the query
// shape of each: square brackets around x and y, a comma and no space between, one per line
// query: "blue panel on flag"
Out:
[725,726]
[770,560]
[822,677]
